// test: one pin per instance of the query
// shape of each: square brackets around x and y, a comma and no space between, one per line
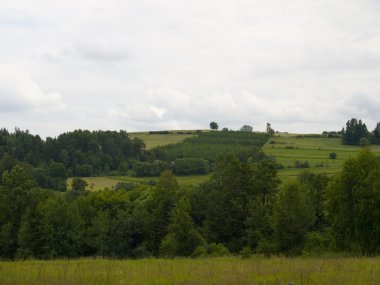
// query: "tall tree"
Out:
[163,199]
[292,217]
[354,132]
[353,204]
[182,237]
[376,134]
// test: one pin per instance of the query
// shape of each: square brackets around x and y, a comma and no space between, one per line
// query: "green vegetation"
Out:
[209,145]
[223,271]
[109,182]
[240,209]
[153,140]
[287,149]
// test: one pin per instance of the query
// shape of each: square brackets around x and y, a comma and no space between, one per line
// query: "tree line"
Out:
[356,133]
[77,153]
[243,208]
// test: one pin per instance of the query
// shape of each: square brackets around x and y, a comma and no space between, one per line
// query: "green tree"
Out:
[228,202]
[292,217]
[265,183]
[78,185]
[14,200]
[354,132]
[246,128]
[182,237]
[214,126]
[376,134]
[269,129]
[163,199]
[353,204]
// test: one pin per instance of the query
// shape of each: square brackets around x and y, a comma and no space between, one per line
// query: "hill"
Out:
[291,151]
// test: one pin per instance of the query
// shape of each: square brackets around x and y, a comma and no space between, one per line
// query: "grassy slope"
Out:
[152,140]
[313,150]
[231,270]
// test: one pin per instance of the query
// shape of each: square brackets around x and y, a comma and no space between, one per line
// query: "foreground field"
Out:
[289,148]
[188,271]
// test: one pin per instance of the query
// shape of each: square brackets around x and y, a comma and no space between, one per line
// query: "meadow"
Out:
[289,148]
[153,140]
[109,182]
[221,271]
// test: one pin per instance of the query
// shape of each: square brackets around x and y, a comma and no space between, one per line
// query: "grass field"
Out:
[288,148]
[101,183]
[221,271]
[153,140]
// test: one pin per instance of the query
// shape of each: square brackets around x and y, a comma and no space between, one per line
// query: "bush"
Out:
[246,252]
[364,142]
[299,164]
[332,155]
[211,250]
[159,132]
[186,166]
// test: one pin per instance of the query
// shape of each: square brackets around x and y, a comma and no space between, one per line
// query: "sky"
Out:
[304,66]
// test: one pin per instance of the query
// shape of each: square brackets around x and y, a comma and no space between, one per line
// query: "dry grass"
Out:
[219,271]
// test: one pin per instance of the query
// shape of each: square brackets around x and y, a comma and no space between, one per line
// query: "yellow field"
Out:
[153,140]
[218,271]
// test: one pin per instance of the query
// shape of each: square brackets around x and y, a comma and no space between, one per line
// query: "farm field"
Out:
[153,140]
[229,270]
[289,148]
[109,182]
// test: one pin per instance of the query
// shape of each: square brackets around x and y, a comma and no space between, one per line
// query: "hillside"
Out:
[287,149]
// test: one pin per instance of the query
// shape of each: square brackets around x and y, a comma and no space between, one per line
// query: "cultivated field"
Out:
[288,148]
[285,148]
[153,140]
[218,271]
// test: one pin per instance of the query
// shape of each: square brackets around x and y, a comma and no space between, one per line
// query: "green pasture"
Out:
[218,271]
[288,148]
[109,182]
[153,140]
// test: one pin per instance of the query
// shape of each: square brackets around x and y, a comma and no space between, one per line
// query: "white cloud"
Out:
[305,66]
[19,93]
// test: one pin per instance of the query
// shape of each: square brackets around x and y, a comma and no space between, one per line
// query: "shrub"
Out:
[332,155]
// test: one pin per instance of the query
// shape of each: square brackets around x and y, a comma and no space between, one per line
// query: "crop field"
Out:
[288,148]
[109,182]
[221,271]
[153,140]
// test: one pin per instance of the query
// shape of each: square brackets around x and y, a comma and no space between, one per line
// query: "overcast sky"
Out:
[302,65]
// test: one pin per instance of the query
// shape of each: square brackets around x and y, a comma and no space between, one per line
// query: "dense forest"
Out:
[242,209]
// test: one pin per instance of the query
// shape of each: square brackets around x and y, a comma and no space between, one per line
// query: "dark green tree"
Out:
[292,217]
[354,132]
[376,134]
[14,200]
[214,126]
[182,237]
[353,204]
[163,200]
[246,128]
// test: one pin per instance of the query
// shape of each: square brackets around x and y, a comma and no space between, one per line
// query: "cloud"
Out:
[19,93]
[304,66]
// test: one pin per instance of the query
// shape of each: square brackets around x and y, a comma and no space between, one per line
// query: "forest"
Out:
[242,209]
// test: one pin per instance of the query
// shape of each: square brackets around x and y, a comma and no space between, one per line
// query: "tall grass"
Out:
[220,271]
